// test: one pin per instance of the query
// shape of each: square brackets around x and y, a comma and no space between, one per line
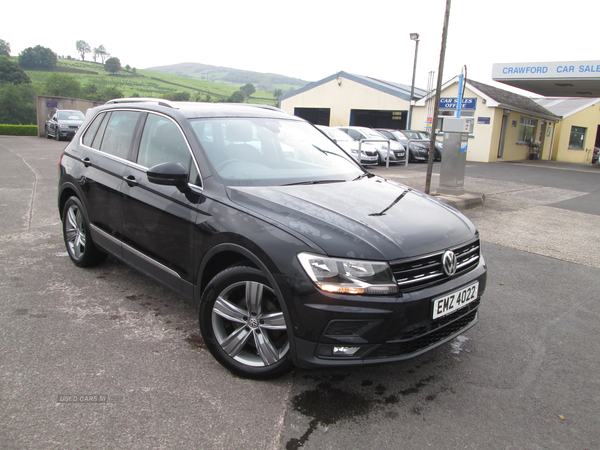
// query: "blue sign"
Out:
[451,102]
[483,120]
[51,104]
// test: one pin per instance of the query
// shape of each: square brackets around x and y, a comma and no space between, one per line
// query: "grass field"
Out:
[145,83]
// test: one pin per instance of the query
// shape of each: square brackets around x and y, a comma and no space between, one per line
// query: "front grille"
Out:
[393,349]
[416,273]
[370,153]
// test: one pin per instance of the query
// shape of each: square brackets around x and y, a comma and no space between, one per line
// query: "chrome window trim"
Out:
[144,168]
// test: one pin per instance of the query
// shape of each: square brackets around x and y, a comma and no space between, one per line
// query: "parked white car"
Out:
[397,151]
[368,151]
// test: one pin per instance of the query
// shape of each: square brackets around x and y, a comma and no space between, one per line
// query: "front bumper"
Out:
[396,156]
[67,132]
[379,329]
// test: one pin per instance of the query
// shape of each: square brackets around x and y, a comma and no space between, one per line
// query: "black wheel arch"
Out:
[66,191]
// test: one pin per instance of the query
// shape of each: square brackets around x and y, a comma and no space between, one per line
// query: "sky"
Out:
[312,39]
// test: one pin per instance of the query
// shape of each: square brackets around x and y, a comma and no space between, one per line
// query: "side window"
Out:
[162,142]
[119,133]
[90,133]
[100,133]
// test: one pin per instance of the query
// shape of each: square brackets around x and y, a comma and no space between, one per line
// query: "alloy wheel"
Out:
[75,232]
[249,325]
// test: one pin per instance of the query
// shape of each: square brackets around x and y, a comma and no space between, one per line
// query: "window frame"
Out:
[577,133]
[525,123]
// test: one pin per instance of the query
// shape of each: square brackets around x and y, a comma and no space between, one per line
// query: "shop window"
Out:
[527,129]
[452,113]
[577,138]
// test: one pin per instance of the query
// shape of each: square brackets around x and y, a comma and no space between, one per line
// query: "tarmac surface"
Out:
[104,358]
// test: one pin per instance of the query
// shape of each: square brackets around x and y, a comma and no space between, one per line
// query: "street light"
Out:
[414,37]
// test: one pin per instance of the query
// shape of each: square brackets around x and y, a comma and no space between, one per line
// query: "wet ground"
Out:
[106,358]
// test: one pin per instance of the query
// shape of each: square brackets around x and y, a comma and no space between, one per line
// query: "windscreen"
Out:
[272,152]
[71,115]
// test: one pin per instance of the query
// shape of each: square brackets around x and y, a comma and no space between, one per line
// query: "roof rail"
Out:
[160,101]
[263,106]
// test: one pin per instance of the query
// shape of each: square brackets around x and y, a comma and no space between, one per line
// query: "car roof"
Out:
[202,109]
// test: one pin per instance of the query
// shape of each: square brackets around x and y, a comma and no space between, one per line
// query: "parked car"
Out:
[397,152]
[595,155]
[419,148]
[64,123]
[439,145]
[292,252]
[368,152]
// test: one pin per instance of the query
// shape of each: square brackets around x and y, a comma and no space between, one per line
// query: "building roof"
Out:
[396,89]
[510,100]
[499,98]
[566,106]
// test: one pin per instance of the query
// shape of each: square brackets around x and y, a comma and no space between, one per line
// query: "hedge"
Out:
[19,130]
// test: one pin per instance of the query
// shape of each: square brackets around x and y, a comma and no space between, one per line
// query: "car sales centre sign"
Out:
[552,79]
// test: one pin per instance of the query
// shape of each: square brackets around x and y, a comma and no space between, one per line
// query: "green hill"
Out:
[145,83]
[226,75]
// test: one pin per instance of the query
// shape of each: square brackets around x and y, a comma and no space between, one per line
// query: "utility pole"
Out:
[414,37]
[436,103]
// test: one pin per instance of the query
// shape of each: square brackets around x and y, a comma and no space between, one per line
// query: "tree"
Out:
[277,93]
[100,52]
[37,57]
[4,48]
[112,65]
[83,48]
[10,72]
[237,97]
[17,104]
[248,89]
[181,97]
[112,92]
[63,85]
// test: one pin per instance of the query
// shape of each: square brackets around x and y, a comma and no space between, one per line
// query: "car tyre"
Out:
[46,131]
[76,233]
[57,134]
[379,159]
[411,157]
[243,325]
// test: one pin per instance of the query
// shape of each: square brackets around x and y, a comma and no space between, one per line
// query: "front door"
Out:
[158,221]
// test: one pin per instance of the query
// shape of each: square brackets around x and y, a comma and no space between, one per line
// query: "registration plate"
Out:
[454,301]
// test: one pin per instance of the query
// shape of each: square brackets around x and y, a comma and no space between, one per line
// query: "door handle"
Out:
[130,180]
[87,162]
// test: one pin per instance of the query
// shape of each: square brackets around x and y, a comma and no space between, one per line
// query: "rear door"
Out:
[106,147]
[158,221]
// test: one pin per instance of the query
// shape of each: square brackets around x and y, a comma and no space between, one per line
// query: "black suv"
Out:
[293,253]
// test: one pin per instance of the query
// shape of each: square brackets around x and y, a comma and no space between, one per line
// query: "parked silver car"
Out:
[419,148]
[368,151]
[397,151]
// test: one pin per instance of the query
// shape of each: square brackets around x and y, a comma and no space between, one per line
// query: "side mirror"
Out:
[169,174]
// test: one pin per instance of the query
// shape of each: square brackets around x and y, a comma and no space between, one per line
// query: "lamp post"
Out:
[414,37]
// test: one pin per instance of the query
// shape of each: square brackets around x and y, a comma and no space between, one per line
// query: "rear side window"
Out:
[118,135]
[90,133]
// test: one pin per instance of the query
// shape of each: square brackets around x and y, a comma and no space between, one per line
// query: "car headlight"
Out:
[348,276]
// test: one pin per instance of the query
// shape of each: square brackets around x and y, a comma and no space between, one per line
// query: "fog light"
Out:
[345,351]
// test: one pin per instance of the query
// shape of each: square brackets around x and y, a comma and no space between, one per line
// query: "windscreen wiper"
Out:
[315,182]
[366,174]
